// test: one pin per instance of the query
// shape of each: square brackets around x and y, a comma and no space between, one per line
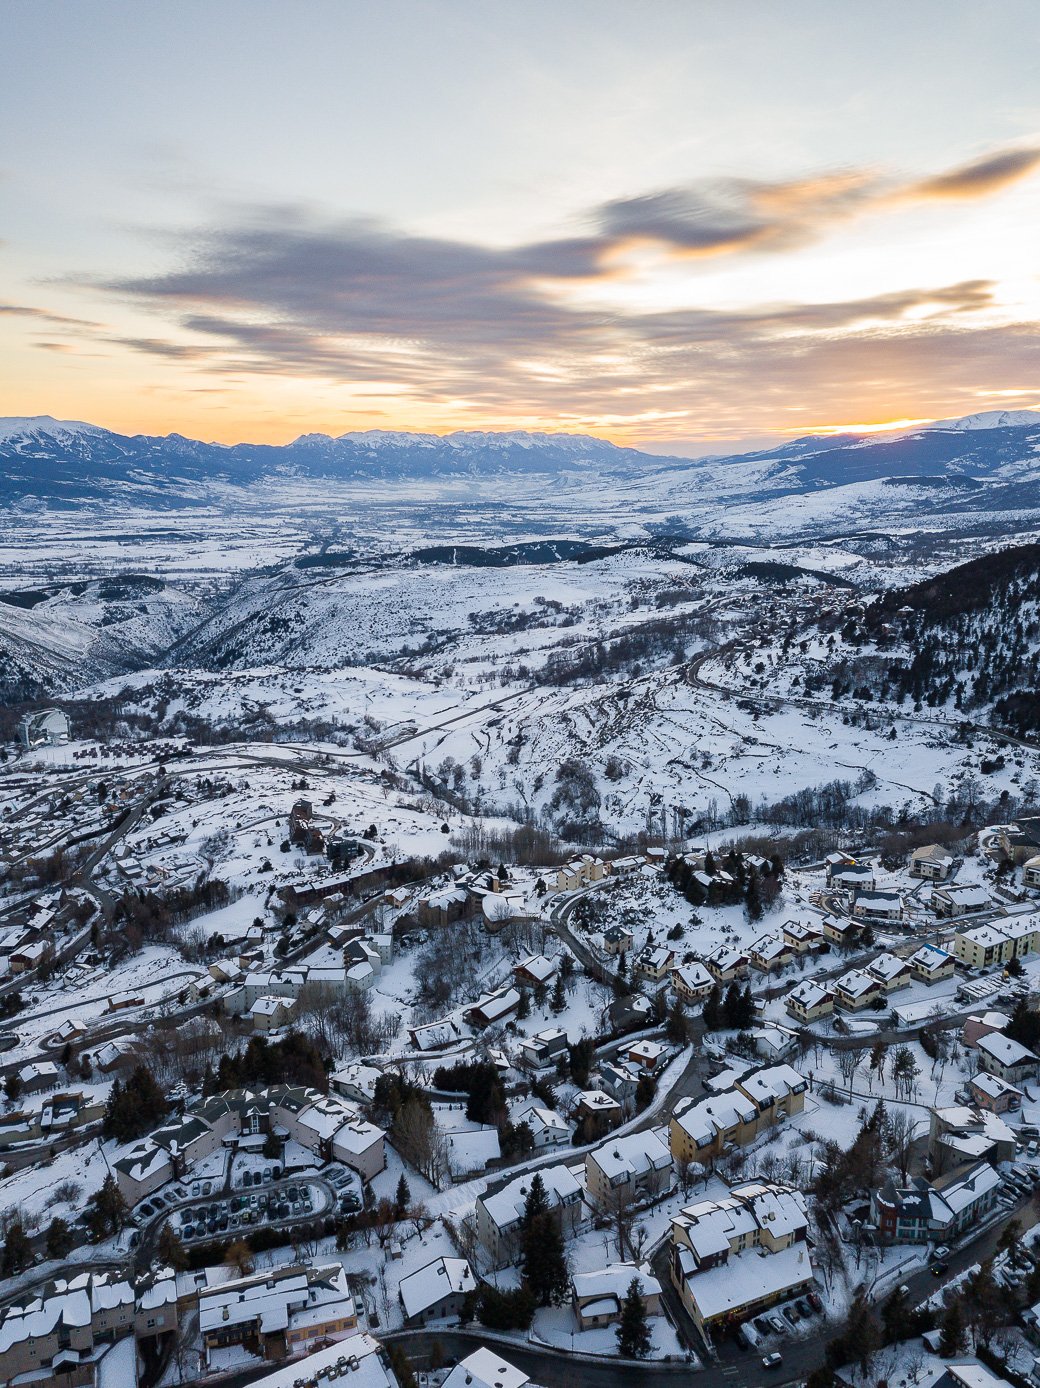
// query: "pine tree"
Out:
[544,1264]
[558,1001]
[18,1251]
[59,1238]
[712,1011]
[402,1197]
[523,1007]
[675,1026]
[171,1250]
[952,1338]
[753,896]
[633,1332]
[537,1202]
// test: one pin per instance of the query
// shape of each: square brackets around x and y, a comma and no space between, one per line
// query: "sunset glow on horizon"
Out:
[674,227]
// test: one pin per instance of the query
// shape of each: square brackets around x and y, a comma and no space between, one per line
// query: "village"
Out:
[287,1073]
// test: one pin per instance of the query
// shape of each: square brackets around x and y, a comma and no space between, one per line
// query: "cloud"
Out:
[980,178]
[42,315]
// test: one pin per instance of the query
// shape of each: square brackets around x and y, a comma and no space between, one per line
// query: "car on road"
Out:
[939,1268]
[772,1361]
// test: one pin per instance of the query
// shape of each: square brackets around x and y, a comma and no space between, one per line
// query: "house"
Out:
[836,863]
[771,952]
[877,906]
[654,964]
[69,1032]
[773,1043]
[485,1368]
[547,1127]
[500,1210]
[536,971]
[809,1001]
[735,1257]
[839,930]
[356,1081]
[930,964]
[802,938]
[951,901]
[493,1008]
[617,939]
[1031,872]
[891,972]
[981,1024]
[445,906]
[726,964]
[1007,1059]
[1020,842]
[113,1055]
[437,1291]
[691,982]
[620,1079]
[145,1168]
[545,1047]
[932,862]
[857,989]
[597,1111]
[37,1076]
[637,1167]
[958,1134]
[436,1036]
[923,1213]
[279,1311]
[646,1056]
[994,1094]
[269,1013]
[597,1297]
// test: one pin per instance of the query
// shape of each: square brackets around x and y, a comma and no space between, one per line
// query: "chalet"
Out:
[933,863]
[857,989]
[949,902]
[545,1047]
[617,939]
[726,964]
[596,1111]
[536,971]
[1001,1056]
[493,1008]
[839,930]
[773,1043]
[646,1056]
[691,982]
[437,1291]
[930,964]
[37,1076]
[993,1094]
[436,1036]
[802,938]
[654,964]
[809,1001]
[597,1297]
[891,972]
[981,1024]
[547,1127]
[771,952]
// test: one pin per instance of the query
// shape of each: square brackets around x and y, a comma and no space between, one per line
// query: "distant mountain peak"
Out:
[991,419]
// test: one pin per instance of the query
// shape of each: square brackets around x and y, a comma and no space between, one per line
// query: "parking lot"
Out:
[206,1209]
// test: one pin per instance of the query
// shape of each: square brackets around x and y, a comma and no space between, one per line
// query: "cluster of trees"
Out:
[545,1280]
[883,1140]
[150,917]
[732,881]
[404,1109]
[733,1011]
[134,1108]
[293,1059]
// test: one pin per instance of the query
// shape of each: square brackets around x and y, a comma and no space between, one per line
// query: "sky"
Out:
[683,225]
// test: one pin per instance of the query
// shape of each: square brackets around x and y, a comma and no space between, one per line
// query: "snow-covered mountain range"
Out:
[61,463]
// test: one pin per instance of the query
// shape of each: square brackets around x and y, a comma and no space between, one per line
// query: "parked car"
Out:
[814,1300]
[776,1324]
[790,1314]
[804,1308]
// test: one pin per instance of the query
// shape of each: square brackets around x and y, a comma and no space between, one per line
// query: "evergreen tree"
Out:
[633,1332]
[537,1202]
[544,1264]
[402,1197]
[18,1251]
[59,1238]
[523,1007]
[952,1337]
[753,896]
[675,1025]
[170,1249]
[106,1210]
[136,1108]
[645,1091]
[558,1001]
[712,1011]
